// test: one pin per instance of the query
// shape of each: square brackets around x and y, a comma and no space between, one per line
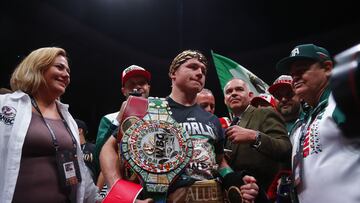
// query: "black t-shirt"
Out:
[88,151]
[207,136]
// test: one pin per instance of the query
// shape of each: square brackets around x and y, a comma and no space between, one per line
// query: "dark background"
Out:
[102,37]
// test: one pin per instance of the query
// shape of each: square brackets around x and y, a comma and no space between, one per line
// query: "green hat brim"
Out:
[283,66]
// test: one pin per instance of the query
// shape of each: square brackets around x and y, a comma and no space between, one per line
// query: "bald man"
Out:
[206,100]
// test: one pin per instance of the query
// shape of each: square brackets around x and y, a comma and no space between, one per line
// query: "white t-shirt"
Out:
[331,161]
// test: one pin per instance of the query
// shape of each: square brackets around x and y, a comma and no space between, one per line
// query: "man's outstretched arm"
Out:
[109,161]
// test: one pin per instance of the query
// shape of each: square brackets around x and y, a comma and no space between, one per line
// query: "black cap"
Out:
[81,124]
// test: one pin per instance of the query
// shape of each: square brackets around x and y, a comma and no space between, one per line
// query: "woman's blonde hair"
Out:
[28,75]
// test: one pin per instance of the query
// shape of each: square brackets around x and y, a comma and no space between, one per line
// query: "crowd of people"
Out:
[289,136]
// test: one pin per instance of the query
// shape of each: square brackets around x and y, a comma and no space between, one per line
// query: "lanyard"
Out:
[305,127]
[53,137]
[298,159]
[303,131]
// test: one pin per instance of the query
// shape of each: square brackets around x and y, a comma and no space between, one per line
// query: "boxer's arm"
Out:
[109,161]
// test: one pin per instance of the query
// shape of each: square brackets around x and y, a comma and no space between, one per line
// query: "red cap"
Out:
[282,81]
[268,98]
[132,71]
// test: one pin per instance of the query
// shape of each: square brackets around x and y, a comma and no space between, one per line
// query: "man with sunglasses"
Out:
[288,103]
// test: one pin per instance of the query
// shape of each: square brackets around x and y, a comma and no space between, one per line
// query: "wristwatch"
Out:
[257,142]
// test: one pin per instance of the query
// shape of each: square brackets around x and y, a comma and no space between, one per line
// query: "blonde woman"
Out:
[39,141]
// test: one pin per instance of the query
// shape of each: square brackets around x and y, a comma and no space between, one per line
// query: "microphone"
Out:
[135,92]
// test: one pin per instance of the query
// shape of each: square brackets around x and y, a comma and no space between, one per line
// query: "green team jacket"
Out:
[106,128]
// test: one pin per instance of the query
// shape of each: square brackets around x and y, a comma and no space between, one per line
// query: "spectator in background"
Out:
[288,102]
[87,148]
[289,108]
[264,100]
[206,100]
[39,136]
[135,80]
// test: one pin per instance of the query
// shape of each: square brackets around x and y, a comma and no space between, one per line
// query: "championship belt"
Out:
[155,146]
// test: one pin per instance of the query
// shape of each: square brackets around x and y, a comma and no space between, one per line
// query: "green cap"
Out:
[303,52]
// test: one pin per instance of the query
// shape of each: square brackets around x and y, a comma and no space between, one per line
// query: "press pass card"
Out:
[68,167]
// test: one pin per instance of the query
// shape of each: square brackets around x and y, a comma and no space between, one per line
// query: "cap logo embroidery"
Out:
[295,52]
[7,115]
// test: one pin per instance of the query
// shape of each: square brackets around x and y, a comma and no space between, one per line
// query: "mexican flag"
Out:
[228,69]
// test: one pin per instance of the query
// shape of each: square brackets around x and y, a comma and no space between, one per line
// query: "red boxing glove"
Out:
[123,192]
